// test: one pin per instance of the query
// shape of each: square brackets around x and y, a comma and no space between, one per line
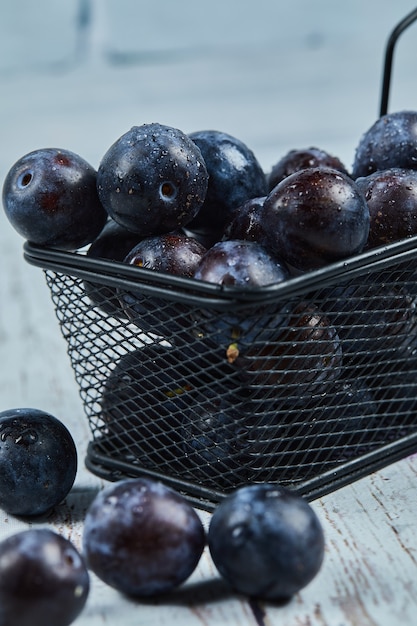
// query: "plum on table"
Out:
[43,579]
[38,461]
[142,538]
[266,541]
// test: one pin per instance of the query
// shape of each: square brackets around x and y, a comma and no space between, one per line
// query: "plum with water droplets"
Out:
[315,217]
[153,179]
[296,160]
[391,196]
[142,538]
[38,461]
[391,141]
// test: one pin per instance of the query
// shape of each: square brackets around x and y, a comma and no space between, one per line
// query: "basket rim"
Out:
[120,275]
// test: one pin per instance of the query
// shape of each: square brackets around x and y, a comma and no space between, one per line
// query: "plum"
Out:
[153,179]
[302,159]
[314,217]
[142,538]
[235,176]
[38,461]
[389,142]
[391,196]
[43,579]
[266,541]
[50,198]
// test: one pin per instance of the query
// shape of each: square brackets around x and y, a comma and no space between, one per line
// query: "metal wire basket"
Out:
[321,387]
[311,383]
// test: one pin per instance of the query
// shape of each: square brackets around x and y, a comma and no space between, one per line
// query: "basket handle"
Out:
[389,53]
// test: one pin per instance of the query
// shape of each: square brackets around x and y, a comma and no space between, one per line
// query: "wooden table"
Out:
[315,85]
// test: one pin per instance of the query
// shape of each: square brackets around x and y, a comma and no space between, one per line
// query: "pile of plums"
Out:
[212,386]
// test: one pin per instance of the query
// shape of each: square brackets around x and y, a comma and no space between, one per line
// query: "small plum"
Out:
[50,198]
[38,461]
[266,541]
[43,579]
[142,537]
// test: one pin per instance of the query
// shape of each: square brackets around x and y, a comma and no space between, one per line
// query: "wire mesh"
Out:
[296,390]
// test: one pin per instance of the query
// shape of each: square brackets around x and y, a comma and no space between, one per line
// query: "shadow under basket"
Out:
[311,383]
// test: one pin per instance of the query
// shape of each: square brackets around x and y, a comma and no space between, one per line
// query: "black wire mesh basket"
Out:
[311,383]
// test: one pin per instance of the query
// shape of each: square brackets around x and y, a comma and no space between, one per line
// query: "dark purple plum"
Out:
[296,160]
[391,196]
[153,179]
[246,222]
[112,244]
[43,579]
[266,541]
[38,461]
[143,402]
[375,320]
[240,263]
[172,253]
[142,538]
[50,198]
[221,438]
[235,176]
[299,359]
[315,217]
[391,141]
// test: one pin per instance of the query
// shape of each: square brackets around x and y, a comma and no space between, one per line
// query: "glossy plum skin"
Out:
[304,358]
[152,180]
[38,461]
[240,263]
[235,176]
[142,538]
[43,579]
[174,253]
[391,196]
[267,542]
[389,142]
[246,222]
[50,198]
[302,159]
[314,217]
